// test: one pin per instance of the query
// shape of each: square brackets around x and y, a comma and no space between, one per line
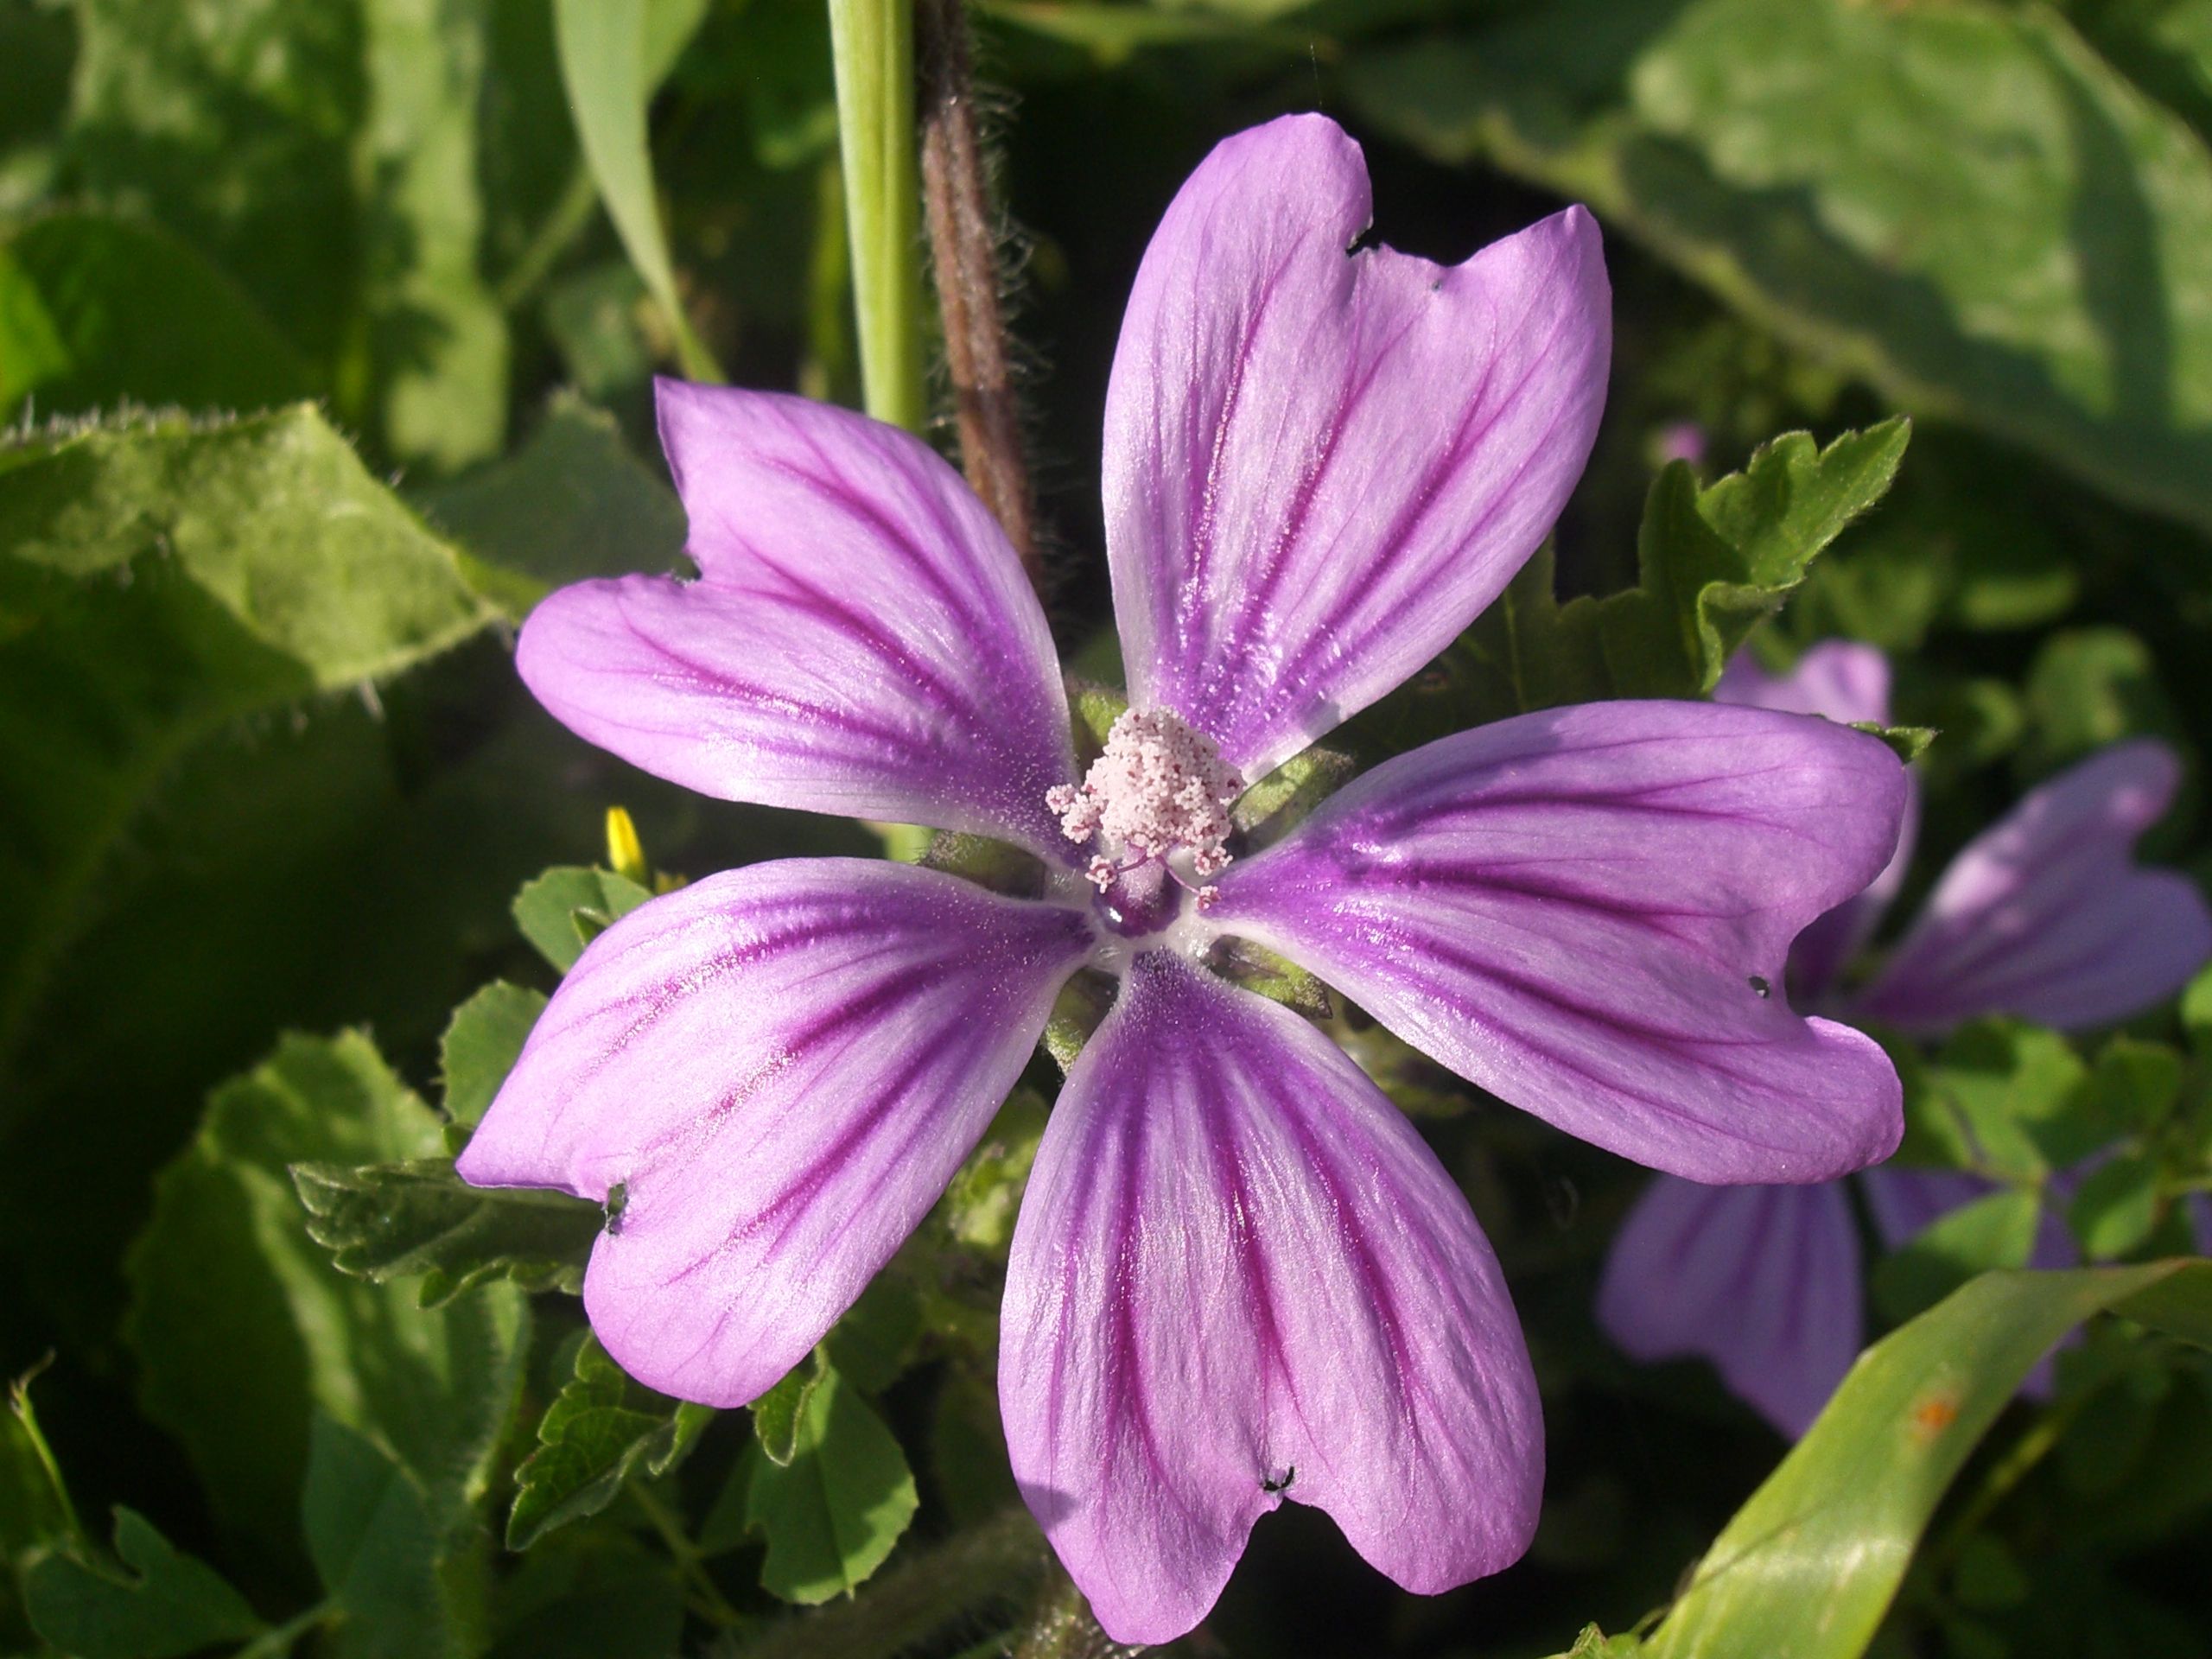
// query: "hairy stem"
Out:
[1061,1626]
[994,1563]
[964,255]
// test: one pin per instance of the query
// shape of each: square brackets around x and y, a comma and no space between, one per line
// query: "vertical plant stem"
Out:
[703,1595]
[872,44]
[964,257]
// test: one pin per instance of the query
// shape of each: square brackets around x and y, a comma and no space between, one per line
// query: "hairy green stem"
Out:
[1061,1625]
[963,259]
[871,47]
[994,1564]
[283,1638]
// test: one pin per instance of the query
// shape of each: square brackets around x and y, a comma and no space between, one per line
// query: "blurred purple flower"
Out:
[2044,916]
[1239,1274]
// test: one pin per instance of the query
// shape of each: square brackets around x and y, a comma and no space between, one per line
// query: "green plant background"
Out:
[327,330]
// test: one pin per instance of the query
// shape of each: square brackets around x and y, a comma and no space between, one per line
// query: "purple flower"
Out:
[2044,916]
[1239,1276]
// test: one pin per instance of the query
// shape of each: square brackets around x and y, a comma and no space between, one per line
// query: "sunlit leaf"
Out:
[834,1514]
[600,1429]
[482,1045]
[1807,1567]
[564,910]
[608,49]
[419,1220]
[1962,203]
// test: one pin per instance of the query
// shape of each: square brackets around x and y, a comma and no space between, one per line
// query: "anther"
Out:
[1160,787]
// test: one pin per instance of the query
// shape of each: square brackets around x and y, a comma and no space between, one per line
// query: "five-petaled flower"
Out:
[1235,1258]
[2044,916]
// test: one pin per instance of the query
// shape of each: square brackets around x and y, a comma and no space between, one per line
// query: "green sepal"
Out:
[1908,743]
[1255,968]
[1094,710]
[382,1222]
[1272,807]
[980,1203]
[1082,1003]
[997,865]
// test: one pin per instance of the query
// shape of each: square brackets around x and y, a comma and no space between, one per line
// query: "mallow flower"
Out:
[1238,1275]
[2044,916]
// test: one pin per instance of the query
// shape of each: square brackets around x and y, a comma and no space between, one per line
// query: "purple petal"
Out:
[1578,910]
[1836,680]
[1238,1267]
[2045,916]
[1320,464]
[862,642]
[781,1066]
[1762,1281]
[1849,683]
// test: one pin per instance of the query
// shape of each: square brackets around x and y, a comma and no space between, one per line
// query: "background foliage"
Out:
[326,329]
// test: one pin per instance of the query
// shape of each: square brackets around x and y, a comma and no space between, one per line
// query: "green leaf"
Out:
[378,1549]
[383,1222]
[482,1044]
[1989,1097]
[2133,1088]
[165,1604]
[873,1340]
[572,502]
[1714,562]
[835,1513]
[237,126]
[2088,688]
[163,582]
[776,1413]
[1997,1231]
[96,309]
[1807,1568]
[599,1430]
[565,909]
[438,340]
[2197,1013]
[2115,1208]
[607,49]
[244,1329]
[1961,203]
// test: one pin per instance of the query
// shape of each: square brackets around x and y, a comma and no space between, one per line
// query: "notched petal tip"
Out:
[1236,1260]
[2046,916]
[862,641]
[1319,468]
